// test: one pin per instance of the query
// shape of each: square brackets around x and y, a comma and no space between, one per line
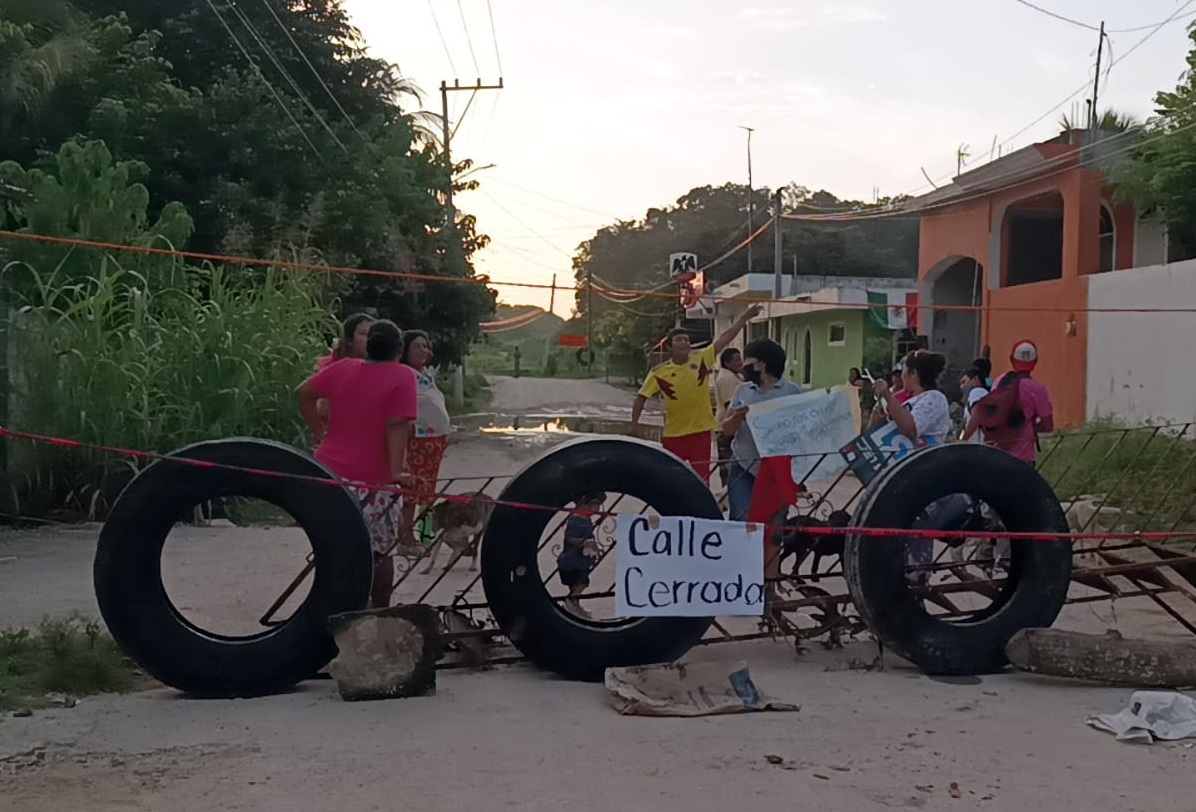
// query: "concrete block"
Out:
[386,653]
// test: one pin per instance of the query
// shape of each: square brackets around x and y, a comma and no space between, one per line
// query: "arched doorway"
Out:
[959,283]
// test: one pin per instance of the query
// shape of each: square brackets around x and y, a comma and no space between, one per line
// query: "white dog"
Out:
[459,523]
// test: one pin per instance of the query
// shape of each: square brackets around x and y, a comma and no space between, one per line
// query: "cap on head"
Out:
[1024,356]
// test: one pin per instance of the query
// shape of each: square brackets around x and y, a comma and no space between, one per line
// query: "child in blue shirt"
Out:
[580,552]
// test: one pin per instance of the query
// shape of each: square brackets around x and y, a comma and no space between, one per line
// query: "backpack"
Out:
[1000,414]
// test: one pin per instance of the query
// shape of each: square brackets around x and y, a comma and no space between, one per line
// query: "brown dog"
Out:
[459,523]
[797,544]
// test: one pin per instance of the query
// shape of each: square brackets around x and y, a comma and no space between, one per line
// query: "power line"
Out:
[494,36]
[257,68]
[469,39]
[1153,29]
[558,200]
[531,230]
[1050,13]
[285,73]
[1089,26]
[312,67]
[443,41]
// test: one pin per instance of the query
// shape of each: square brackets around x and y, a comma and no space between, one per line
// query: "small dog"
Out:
[797,544]
[459,523]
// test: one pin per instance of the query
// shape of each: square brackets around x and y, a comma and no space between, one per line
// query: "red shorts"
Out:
[774,490]
[694,449]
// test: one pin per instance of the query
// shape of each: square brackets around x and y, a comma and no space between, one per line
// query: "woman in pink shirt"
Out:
[372,404]
[350,345]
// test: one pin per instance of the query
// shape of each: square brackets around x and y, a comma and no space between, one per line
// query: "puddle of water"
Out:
[540,424]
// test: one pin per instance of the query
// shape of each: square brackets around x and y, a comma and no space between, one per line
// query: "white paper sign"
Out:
[674,566]
[806,426]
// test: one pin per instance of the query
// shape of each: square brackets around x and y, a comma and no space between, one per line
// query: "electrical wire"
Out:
[312,68]
[1152,30]
[464,113]
[557,200]
[443,42]
[1050,13]
[531,230]
[298,91]
[494,37]
[1059,163]
[257,69]
[469,39]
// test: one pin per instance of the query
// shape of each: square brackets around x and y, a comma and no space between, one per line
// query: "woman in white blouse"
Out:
[926,418]
[429,440]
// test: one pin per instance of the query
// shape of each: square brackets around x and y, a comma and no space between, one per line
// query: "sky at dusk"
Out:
[614,107]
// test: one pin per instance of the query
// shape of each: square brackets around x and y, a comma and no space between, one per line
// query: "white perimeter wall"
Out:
[1140,365]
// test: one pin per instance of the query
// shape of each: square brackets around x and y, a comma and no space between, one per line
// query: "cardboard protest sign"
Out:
[873,451]
[677,566]
[805,427]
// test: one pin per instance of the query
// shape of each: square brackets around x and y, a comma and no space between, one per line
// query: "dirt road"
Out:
[514,738]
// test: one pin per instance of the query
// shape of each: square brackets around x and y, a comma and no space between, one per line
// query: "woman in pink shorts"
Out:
[372,406]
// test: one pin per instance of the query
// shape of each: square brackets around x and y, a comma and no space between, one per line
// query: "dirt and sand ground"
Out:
[515,738]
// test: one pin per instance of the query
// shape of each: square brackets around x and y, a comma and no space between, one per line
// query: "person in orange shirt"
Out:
[683,382]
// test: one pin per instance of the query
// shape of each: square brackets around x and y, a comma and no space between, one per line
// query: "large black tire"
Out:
[547,635]
[138,611]
[1039,571]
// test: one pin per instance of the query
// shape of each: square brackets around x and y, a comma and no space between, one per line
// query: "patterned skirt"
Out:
[424,455]
[383,513]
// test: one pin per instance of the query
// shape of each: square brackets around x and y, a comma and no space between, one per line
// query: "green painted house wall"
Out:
[827,362]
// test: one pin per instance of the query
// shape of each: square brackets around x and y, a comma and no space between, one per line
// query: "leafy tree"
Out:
[1160,175]
[710,221]
[330,169]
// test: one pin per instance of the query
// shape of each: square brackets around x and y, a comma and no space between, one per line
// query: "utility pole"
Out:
[445,89]
[589,320]
[1094,116]
[776,251]
[751,195]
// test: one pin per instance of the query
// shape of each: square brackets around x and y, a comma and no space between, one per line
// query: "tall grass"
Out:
[116,359]
[1148,472]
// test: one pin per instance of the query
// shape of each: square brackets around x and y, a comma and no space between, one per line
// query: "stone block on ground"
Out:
[386,653]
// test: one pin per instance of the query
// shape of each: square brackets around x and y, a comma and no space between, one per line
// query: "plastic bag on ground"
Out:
[687,689]
[1163,715]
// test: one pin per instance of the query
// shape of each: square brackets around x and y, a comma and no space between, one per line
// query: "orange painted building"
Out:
[1024,231]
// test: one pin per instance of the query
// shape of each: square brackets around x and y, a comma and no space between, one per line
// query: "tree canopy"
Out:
[268,123]
[709,221]
[1160,175]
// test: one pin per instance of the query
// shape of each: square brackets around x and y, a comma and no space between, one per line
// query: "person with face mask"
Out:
[764,379]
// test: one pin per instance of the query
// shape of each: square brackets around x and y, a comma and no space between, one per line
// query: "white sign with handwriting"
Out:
[677,566]
[805,427]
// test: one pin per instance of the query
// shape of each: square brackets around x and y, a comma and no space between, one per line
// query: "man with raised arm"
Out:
[683,382]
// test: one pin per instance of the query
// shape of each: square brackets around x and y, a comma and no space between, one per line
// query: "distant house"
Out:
[1036,242]
[825,323]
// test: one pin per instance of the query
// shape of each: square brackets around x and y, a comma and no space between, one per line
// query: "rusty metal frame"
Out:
[1109,571]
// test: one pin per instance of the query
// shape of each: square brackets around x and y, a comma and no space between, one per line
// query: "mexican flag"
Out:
[894,309]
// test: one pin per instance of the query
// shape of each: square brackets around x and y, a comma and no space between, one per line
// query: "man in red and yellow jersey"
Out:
[683,383]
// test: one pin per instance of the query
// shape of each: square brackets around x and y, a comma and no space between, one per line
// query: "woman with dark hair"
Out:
[373,404]
[925,415]
[351,344]
[429,440]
